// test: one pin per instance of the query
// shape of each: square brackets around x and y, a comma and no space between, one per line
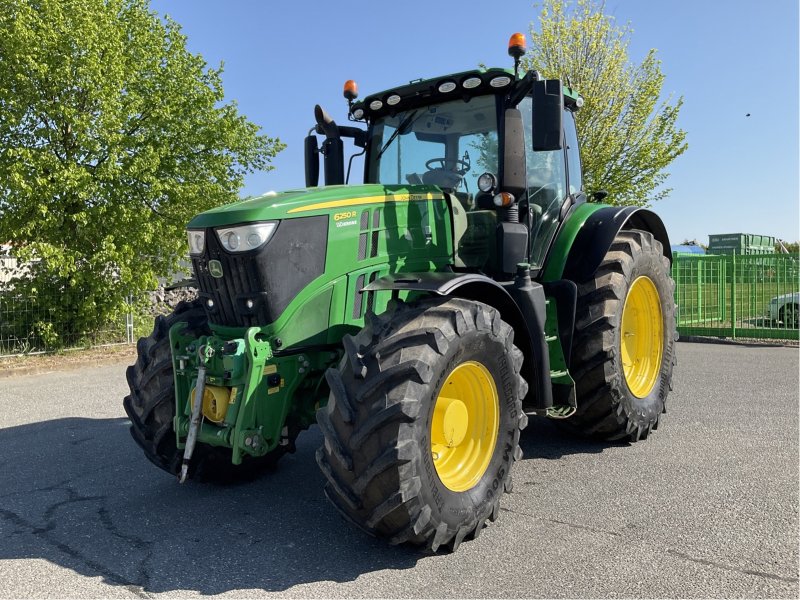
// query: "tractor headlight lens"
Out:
[197,241]
[246,237]
[500,81]
[231,240]
[487,182]
[472,82]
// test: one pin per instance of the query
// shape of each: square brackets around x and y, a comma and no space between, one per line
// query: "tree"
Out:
[688,242]
[628,137]
[112,136]
[787,247]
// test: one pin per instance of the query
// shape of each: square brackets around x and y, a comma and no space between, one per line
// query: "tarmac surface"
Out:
[707,507]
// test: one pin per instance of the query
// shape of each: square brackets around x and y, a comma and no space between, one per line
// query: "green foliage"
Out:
[487,148]
[628,136]
[688,242]
[112,136]
[46,332]
[787,247]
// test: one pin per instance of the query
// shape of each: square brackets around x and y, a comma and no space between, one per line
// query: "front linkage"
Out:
[236,393]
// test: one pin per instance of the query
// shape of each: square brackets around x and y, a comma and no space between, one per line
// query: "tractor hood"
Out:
[310,201]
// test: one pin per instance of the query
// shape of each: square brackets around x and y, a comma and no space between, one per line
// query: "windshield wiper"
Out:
[401,129]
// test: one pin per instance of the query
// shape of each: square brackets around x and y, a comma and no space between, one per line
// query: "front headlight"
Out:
[197,241]
[246,237]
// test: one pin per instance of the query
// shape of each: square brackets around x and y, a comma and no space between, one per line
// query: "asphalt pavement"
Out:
[707,507]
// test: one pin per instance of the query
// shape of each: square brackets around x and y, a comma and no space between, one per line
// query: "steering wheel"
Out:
[463,165]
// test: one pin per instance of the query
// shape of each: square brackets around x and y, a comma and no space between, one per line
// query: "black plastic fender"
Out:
[526,318]
[598,233]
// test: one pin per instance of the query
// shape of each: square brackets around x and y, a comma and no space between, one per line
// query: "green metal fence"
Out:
[738,296]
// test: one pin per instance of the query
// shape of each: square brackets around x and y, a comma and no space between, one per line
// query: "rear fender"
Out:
[595,236]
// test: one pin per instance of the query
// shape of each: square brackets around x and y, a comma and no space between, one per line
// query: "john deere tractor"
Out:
[419,318]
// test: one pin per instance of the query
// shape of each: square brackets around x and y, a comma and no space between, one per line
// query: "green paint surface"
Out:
[301,202]
[373,230]
[557,258]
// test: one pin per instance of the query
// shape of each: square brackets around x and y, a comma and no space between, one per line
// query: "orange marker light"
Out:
[350,89]
[503,199]
[516,45]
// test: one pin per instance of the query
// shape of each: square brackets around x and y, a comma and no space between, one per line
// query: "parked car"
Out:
[784,309]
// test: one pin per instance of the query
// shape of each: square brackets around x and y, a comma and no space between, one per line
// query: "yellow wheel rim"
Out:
[464,428]
[642,337]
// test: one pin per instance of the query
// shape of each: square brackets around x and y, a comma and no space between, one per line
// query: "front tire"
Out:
[423,422]
[624,347]
[151,407]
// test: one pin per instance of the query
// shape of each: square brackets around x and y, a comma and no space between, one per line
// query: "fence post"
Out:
[733,295]
[722,282]
[700,290]
[129,321]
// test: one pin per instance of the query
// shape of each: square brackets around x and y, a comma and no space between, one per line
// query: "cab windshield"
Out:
[448,145]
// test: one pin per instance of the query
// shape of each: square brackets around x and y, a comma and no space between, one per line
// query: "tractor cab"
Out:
[502,148]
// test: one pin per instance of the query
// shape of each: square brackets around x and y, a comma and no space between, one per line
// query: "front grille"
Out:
[269,277]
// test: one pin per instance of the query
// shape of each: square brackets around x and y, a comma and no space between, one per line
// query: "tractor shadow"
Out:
[543,439]
[77,492]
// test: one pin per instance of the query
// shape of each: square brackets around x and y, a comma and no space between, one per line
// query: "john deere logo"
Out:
[215,268]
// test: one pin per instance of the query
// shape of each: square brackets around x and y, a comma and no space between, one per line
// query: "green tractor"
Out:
[420,318]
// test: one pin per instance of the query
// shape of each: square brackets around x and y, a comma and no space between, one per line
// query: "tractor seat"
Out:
[444,178]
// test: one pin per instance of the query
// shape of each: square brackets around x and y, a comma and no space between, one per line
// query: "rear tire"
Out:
[622,388]
[151,407]
[382,424]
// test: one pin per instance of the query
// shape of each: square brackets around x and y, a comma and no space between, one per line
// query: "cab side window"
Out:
[573,154]
[547,188]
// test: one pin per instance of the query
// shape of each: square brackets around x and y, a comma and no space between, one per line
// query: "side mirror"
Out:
[548,115]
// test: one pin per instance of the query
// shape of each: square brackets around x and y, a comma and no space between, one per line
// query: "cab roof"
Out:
[421,92]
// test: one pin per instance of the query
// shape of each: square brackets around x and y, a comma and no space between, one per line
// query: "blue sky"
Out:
[726,58]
